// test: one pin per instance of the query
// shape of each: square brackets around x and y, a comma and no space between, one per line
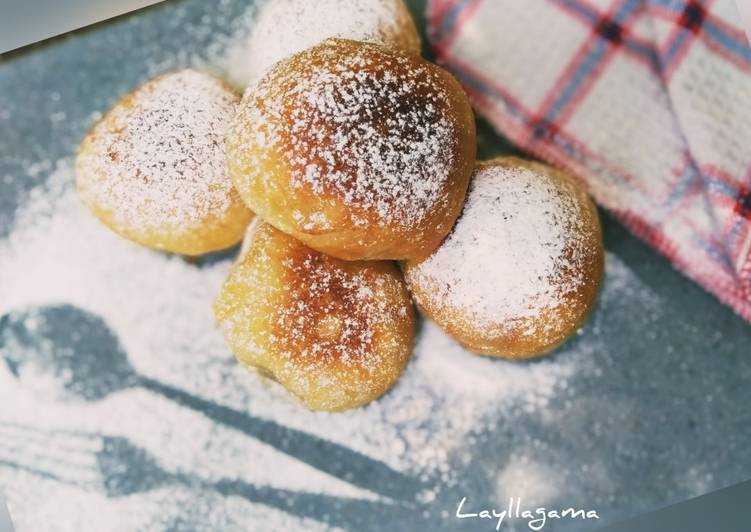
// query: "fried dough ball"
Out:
[521,268]
[336,334]
[286,27]
[360,152]
[154,168]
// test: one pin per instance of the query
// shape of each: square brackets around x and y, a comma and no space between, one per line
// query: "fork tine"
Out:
[50,469]
[60,448]
[68,442]
[54,456]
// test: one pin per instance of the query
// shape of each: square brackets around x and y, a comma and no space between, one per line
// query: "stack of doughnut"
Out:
[357,159]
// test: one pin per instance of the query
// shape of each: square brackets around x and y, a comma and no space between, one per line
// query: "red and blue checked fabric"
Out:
[648,102]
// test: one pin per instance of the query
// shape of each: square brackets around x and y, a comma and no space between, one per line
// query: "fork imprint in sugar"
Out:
[118,468]
[95,367]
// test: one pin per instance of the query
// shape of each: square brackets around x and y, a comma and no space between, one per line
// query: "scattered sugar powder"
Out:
[536,484]
[366,126]
[511,271]
[159,158]
[159,307]
[285,27]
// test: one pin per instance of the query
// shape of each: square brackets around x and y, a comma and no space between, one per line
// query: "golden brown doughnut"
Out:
[521,268]
[154,168]
[359,151]
[286,27]
[336,334]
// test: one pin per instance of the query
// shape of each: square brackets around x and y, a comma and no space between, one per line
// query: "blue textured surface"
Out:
[660,415]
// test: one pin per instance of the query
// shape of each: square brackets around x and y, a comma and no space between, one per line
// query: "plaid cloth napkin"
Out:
[648,102]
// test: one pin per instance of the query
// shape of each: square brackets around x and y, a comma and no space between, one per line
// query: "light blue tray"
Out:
[655,411]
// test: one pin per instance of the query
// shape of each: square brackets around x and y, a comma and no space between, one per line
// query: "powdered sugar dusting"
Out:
[158,159]
[511,255]
[322,326]
[334,314]
[359,123]
[156,304]
[433,426]
[285,27]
